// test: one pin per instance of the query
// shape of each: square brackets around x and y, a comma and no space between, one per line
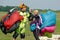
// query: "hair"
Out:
[36,11]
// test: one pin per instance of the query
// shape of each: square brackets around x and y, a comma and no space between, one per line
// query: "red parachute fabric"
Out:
[12,20]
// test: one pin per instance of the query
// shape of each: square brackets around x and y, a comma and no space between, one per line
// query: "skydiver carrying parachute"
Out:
[21,29]
[15,21]
[45,26]
[7,25]
[36,24]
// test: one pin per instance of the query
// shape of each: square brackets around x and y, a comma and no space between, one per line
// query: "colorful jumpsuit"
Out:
[21,29]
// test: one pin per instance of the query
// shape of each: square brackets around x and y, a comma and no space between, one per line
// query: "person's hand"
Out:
[38,27]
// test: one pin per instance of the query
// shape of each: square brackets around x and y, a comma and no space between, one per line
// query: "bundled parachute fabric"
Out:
[32,26]
[49,19]
[50,29]
[11,21]
[47,31]
[13,18]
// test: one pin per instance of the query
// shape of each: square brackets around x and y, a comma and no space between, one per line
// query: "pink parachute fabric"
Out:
[50,29]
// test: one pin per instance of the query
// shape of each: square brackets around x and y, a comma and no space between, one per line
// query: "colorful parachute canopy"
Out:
[11,21]
[49,19]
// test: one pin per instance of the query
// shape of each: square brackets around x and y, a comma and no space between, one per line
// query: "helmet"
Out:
[22,6]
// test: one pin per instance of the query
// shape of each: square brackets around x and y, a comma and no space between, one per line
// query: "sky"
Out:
[33,4]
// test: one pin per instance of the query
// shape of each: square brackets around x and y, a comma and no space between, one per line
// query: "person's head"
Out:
[23,7]
[36,12]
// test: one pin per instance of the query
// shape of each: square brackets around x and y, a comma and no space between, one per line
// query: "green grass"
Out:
[29,35]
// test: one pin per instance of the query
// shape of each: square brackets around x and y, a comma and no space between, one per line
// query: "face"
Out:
[23,9]
[35,12]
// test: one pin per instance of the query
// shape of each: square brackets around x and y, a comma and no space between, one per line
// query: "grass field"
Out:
[29,35]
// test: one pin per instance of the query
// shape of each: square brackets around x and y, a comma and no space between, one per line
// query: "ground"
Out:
[54,37]
[29,35]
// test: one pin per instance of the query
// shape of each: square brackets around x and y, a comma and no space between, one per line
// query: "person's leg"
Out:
[22,31]
[35,33]
[22,36]
[15,35]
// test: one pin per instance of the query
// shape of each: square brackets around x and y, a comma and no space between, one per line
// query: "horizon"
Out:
[33,4]
[33,9]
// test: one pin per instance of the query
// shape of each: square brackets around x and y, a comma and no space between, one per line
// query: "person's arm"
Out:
[41,19]
[30,16]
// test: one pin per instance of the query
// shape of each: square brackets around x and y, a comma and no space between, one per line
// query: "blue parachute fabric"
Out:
[43,19]
[32,27]
[48,19]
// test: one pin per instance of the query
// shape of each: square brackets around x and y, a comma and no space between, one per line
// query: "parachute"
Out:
[49,22]
[49,19]
[50,29]
[32,27]
[10,22]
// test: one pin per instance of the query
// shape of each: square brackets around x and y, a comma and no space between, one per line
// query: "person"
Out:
[21,28]
[38,21]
